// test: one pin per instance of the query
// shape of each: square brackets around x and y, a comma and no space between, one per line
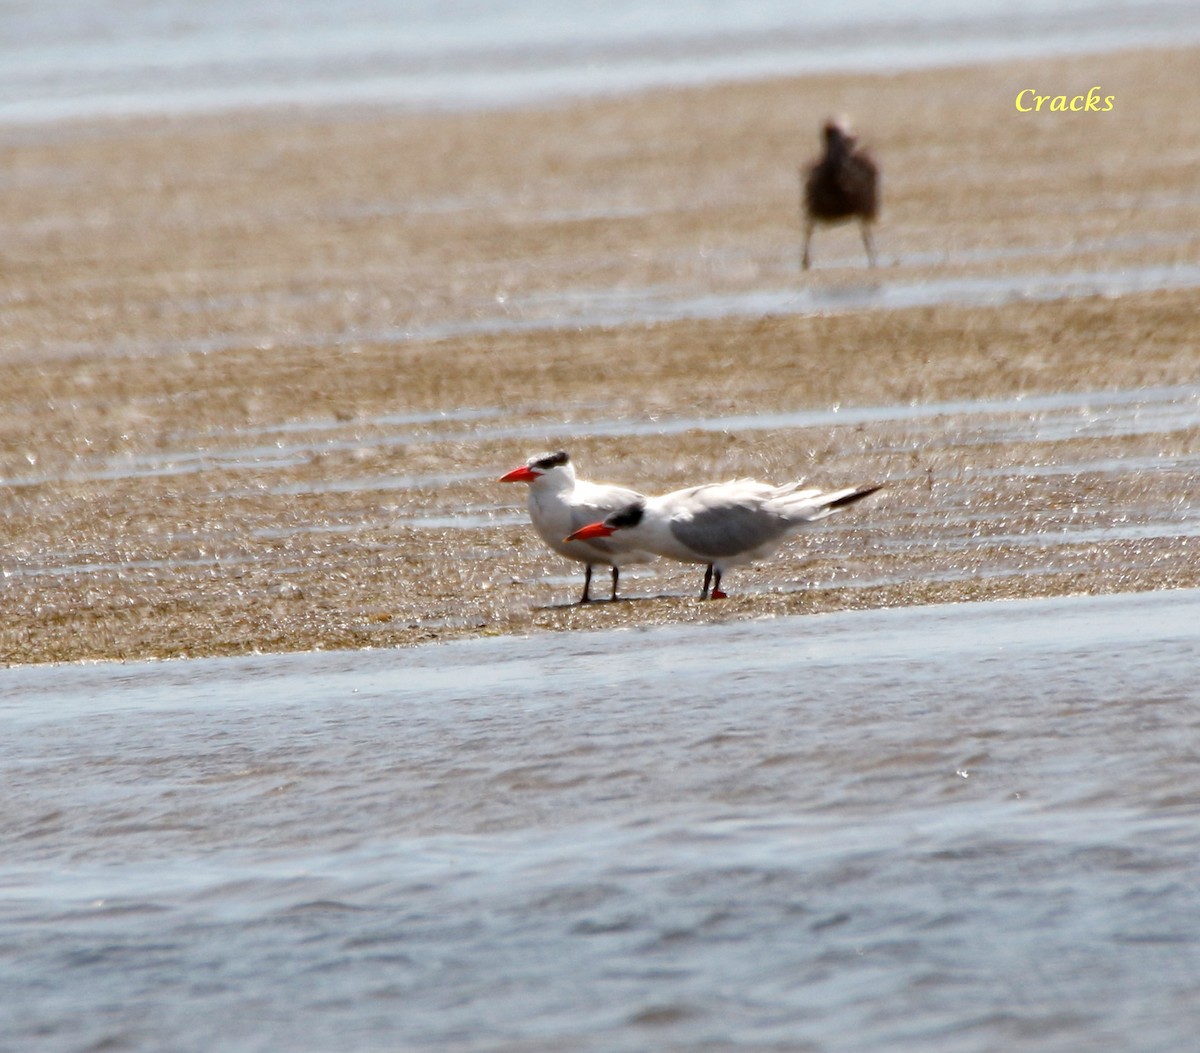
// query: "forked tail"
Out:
[819,506]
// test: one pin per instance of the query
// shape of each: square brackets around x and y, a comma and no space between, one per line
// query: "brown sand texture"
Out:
[262,371]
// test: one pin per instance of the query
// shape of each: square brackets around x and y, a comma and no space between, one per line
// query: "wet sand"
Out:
[263,371]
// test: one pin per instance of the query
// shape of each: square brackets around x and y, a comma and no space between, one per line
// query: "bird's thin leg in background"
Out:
[708,573]
[587,584]
[808,233]
[616,575]
[868,242]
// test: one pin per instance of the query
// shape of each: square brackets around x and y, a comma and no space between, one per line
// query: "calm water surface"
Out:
[90,58]
[962,828]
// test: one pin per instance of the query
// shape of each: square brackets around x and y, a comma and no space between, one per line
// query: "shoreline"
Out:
[269,495]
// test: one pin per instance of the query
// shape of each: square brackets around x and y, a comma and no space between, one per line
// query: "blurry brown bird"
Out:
[842,184]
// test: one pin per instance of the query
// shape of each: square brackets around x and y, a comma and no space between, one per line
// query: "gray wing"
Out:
[721,526]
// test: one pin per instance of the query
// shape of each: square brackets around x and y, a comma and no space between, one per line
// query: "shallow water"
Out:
[612,307]
[90,58]
[576,308]
[1045,418]
[1007,487]
[949,828]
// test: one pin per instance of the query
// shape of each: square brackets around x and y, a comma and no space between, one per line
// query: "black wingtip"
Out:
[857,495]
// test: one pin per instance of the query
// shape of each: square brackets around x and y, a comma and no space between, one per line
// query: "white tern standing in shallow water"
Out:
[559,503]
[721,525]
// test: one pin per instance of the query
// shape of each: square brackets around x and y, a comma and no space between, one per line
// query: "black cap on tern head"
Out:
[546,461]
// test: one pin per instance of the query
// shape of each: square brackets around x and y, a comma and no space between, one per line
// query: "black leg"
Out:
[616,575]
[716,593]
[587,584]
[708,573]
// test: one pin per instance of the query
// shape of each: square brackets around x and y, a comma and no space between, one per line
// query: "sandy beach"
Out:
[263,371]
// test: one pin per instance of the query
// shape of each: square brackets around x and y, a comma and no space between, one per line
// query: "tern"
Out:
[560,503]
[842,184]
[721,525]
